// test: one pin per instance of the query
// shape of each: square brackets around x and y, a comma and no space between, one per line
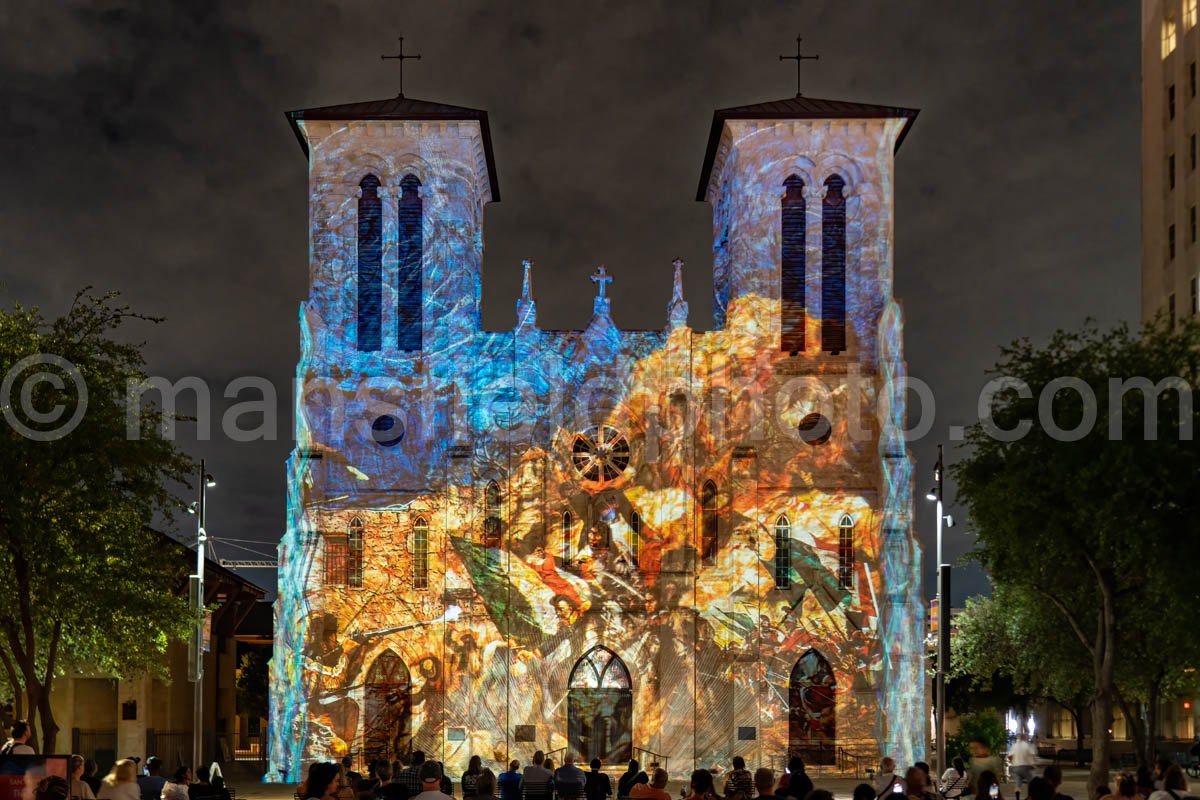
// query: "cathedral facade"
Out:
[674,545]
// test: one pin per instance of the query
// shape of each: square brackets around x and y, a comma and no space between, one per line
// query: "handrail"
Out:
[664,759]
[553,755]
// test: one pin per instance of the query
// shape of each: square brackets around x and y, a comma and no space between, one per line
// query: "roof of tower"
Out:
[797,108]
[401,107]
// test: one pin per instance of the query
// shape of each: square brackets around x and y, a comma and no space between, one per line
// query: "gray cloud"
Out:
[144,149]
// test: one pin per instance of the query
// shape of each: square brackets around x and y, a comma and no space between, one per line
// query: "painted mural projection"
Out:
[609,541]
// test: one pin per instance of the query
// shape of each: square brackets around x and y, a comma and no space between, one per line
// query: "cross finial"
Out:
[677,288]
[798,58]
[526,282]
[401,58]
[601,277]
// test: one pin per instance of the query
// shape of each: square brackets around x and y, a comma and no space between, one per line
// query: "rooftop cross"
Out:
[798,58]
[600,278]
[401,58]
[677,289]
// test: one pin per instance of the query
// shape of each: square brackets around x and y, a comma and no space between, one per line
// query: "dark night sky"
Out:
[143,148]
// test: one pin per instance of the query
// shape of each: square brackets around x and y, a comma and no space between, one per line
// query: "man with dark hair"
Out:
[52,787]
[537,782]
[431,782]
[764,783]
[151,784]
[1053,773]
[390,786]
[18,743]
[740,784]
[410,778]
[352,778]
[655,790]
[1041,789]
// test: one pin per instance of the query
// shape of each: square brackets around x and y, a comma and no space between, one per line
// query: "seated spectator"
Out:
[78,789]
[537,781]
[569,779]
[1053,773]
[510,782]
[864,791]
[740,784]
[387,786]
[656,789]
[632,775]
[322,782]
[795,782]
[884,778]
[52,787]
[700,786]
[988,787]
[764,783]
[471,777]
[598,785]
[120,783]
[485,787]
[1175,786]
[431,782]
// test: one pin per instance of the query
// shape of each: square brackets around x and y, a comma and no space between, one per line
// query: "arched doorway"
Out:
[600,708]
[812,717]
[387,729]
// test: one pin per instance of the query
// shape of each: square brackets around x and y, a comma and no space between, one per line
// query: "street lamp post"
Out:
[943,615]
[196,665]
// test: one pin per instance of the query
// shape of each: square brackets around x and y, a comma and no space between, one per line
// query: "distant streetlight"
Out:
[196,666]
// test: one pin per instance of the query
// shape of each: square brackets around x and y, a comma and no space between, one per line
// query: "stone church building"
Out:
[668,544]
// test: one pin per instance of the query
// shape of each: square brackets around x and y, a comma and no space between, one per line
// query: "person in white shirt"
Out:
[1022,757]
[955,782]
[1175,786]
[18,744]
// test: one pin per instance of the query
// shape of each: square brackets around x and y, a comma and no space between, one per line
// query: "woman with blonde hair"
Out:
[79,789]
[120,783]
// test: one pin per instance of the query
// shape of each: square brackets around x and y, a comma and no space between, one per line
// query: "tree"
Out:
[252,681]
[1015,641]
[84,581]
[1082,512]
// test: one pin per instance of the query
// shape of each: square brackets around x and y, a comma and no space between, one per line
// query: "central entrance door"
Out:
[600,708]
[812,723]
[388,721]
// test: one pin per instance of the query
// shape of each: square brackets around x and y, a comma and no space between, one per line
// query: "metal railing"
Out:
[98,745]
[640,753]
[173,747]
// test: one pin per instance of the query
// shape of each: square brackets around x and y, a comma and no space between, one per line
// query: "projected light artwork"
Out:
[665,544]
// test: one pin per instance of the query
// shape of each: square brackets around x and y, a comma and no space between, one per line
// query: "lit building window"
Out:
[370,264]
[337,560]
[792,271]
[410,249]
[1189,14]
[783,553]
[833,267]
[420,554]
[355,552]
[1171,172]
[846,552]
[708,523]
[1171,101]
[568,525]
[635,533]
[1171,241]
[1168,35]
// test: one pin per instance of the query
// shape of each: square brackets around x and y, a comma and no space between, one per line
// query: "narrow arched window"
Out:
[420,550]
[337,559]
[635,536]
[708,523]
[833,267]
[783,553]
[791,287]
[568,523]
[846,552]
[493,527]
[410,248]
[355,569]
[370,264]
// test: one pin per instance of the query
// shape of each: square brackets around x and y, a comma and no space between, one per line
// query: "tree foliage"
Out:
[1099,524]
[252,683]
[87,581]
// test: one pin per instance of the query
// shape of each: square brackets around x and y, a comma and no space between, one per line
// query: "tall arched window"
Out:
[783,553]
[568,524]
[635,536]
[846,552]
[410,247]
[708,523]
[493,527]
[791,288]
[356,552]
[833,267]
[337,559]
[420,554]
[370,264]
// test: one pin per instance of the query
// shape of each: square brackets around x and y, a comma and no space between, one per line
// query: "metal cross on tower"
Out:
[400,57]
[799,58]
[601,277]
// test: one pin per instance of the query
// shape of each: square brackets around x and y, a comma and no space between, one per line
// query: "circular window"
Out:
[815,429]
[600,453]
[387,431]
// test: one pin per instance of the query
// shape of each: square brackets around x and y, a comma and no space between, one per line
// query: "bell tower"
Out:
[396,193]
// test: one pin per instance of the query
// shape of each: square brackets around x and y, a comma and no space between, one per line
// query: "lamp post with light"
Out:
[196,651]
[943,613]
